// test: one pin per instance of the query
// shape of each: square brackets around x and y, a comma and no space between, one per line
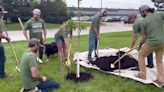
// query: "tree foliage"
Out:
[71,25]
[159,4]
[71,14]
[52,11]
[16,9]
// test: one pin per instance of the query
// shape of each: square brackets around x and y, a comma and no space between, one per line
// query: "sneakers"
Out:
[150,66]
[6,77]
[31,90]
[90,59]
[158,83]
[141,77]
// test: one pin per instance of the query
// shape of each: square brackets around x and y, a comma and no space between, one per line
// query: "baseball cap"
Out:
[104,12]
[36,11]
[32,42]
[2,10]
[143,7]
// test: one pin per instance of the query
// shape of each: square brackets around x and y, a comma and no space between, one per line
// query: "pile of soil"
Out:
[83,77]
[104,63]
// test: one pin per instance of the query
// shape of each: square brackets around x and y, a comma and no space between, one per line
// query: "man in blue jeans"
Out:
[94,33]
[150,61]
[29,73]
[2,51]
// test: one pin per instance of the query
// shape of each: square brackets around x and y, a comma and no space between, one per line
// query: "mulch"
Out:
[104,63]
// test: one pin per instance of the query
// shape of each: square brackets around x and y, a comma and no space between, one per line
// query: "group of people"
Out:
[149,25]
[36,38]
[29,73]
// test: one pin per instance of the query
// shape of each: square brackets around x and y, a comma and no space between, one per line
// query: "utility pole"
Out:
[101,4]
[64,1]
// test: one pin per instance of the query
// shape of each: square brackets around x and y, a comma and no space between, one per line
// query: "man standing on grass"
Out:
[2,51]
[152,40]
[29,74]
[137,30]
[94,34]
[36,27]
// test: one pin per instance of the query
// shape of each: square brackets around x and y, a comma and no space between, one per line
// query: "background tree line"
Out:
[159,4]
[52,11]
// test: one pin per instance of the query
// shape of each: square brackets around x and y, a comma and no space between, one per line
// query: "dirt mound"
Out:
[83,77]
[104,63]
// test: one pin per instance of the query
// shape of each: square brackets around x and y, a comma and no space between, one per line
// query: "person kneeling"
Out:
[29,73]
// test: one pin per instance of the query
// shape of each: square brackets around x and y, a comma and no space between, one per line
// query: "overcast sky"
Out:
[126,4]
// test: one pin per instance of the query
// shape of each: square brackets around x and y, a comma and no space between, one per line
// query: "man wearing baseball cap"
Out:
[138,30]
[36,27]
[29,72]
[152,40]
[94,33]
[2,51]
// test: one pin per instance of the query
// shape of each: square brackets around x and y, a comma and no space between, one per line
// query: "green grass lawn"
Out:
[17,26]
[101,82]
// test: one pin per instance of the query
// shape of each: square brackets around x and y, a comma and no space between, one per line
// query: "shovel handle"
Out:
[98,42]
[125,54]
[19,19]
[13,51]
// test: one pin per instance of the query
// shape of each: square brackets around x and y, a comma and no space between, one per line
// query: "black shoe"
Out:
[90,59]
[150,66]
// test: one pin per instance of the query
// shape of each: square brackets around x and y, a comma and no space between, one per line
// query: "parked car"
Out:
[129,19]
[114,19]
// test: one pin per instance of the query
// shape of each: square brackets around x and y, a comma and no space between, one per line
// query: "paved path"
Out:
[106,28]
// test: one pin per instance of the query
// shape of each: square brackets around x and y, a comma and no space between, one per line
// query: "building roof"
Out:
[110,11]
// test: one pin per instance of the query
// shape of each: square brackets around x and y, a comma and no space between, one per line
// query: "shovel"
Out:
[113,65]
[13,51]
[97,50]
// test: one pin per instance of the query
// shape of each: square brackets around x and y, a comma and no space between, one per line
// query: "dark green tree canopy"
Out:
[159,4]
[52,11]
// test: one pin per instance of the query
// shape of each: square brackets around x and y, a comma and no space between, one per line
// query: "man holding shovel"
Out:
[137,30]
[94,33]
[2,51]
[36,27]
[152,40]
